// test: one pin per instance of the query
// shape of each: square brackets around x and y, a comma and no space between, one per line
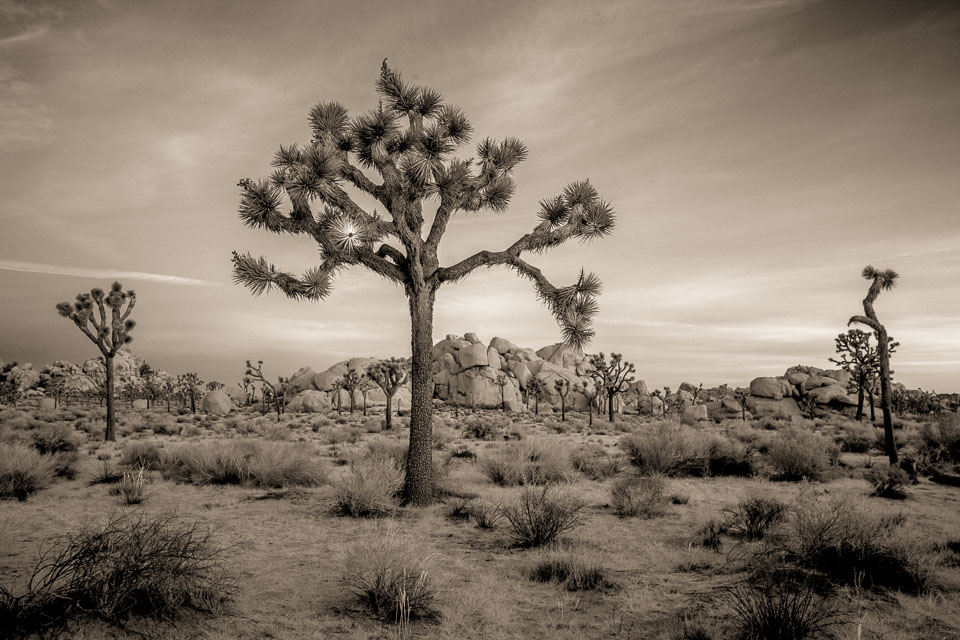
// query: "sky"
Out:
[758,153]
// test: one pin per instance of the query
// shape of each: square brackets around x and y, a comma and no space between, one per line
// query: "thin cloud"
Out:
[80,272]
[26,36]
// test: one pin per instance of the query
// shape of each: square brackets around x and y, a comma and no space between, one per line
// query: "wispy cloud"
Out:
[26,36]
[81,272]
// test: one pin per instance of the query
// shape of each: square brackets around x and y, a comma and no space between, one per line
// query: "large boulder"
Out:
[833,393]
[310,401]
[562,355]
[815,382]
[766,388]
[473,356]
[502,345]
[693,414]
[217,402]
[766,407]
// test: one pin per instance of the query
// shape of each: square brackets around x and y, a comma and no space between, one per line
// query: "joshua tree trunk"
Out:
[111,431]
[563,410]
[389,424]
[885,395]
[353,401]
[873,410]
[193,401]
[419,481]
[861,381]
[610,404]
[590,410]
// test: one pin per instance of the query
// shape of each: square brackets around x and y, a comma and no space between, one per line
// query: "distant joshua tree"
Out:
[390,375]
[613,377]
[269,391]
[588,391]
[562,385]
[215,385]
[190,384]
[350,382]
[414,162]
[881,281]
[741,395]
[534,387]
[808,404]
[105,319]
[501,381]
[862,360]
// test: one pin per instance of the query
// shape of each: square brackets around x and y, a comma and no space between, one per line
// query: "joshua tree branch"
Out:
[870,322]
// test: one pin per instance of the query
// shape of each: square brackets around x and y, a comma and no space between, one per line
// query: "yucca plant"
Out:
[884,280]
[408,141]
[130,487]
[105,319]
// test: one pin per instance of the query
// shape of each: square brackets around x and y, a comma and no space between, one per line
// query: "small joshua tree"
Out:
[105,319]
[741,395]
[808,404]
[613,377]
[255,373]
[881,281]
[215,385]
[190,384]
[351,384]
[589,392]
[501,381]
[389,375]
[409,141]
[862,360]
[562,385]
[534,387]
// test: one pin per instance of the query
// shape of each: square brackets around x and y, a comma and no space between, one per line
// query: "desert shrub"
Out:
[795,454]
[709,536]
[54,438]
[390,575]
[725,457]
[667,449]
[778,609]
[639,496]
[843,541]
[65,464]
[249,462]
[145,454]
[485,514]
[105,473]
[486,427]
[528,462]
[753,516]
[24,470]
[858,438]
[888,481]
[130,487]
[594,462]
[540,516]
[276,432]
[576,574]
[679,498]
[134,565]
[458,509]
[938,450]
[370,490]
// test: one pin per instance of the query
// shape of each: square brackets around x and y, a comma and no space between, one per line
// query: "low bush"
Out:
[668,449]
[725,457]
[54,438]
[639,496]
[528,462]
[134,565]
[145,454]
[458,510]
[246,462]
[130,487]
[858,438]
[391,576]
[843,541]
[486,515]
[486,427]
[540,516]
[370,490]
[594,462]
[576,574]
[778,609]
[753,516]
[796,454]
[888,481]
[709,536]
[24,470]
[938,450]
[105,473]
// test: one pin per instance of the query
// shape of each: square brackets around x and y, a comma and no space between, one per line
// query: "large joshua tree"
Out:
[407,143]
[105,319]
[884,280]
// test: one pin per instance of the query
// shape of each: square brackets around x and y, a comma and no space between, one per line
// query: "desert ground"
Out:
[299,508]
